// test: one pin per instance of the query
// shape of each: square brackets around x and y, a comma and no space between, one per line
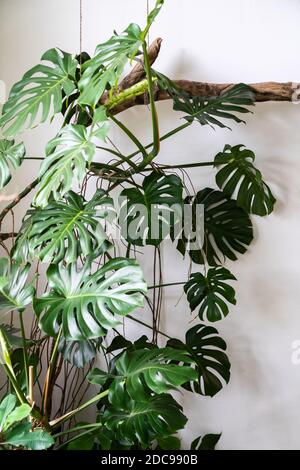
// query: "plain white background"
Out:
[217,41]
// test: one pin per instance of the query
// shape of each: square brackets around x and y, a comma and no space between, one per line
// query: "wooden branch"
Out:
[267,91]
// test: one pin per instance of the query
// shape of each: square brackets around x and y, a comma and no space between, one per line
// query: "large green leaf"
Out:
[211,109]
[23,436]
[153,368]
[239,175]
[11,156]
[227,229]
[206,349]
[85,304]
[147,214]
[14,293]
[106,67]
[160,416]
[69,154]
[210,293]
[64,230]
[40,91]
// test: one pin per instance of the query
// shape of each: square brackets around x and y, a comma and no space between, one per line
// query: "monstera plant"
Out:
[68,282]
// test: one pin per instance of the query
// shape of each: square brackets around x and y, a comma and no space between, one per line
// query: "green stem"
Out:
[20,395]
[70,431]
[155,126]
[123,158]
[49,374]
[82,407]
[75,438]
[25,354]
[147,326]
[130,135]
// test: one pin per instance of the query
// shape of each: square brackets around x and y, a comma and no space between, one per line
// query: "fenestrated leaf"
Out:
[14,293]
[105,68]
[86,304]
[63,230]
[22,436]
[160,416]
[11,157]
[69,154]
[209,110]
[79,353]
[147,214]
[7,405]
[207,442]
[227,229]
[39,92]
[153,368]
[210,293]
[206,349]
[239,175]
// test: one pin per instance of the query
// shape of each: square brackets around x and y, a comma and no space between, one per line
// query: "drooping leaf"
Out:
[79,353]
[160,416]
[227,229]
[206,349]
[147,214]
[105,68]
[22,436]
[69,154]
[207,442]
[210,110]
[39,93]
[11,157]
[239,175]
[210,293]
[14,293]
[64,230]
[153,368]
[86,304]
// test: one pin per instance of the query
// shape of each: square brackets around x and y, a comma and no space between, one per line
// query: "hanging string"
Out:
[80,27]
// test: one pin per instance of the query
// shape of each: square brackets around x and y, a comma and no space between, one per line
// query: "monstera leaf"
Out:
[106,67]
[207,442]
[153,368]
[147,214]
[40,91]
[11,157]
[85,304]
[14,432]
[14,293]
[206,349]
[210,110]
[159,417]
[79,353]
[227,229]
[68,154]
[210,293]
[238,174]
[66,229]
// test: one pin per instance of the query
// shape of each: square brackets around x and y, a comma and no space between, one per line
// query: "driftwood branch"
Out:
[267,91]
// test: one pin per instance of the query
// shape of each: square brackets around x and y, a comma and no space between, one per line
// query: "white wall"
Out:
[217,41]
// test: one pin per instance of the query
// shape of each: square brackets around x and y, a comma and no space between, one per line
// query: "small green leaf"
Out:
[209,110]
[18,414]
[11,157]
[208,442]
[208,292]
[6,407]
[14,293]
[206,350]
[239,175]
